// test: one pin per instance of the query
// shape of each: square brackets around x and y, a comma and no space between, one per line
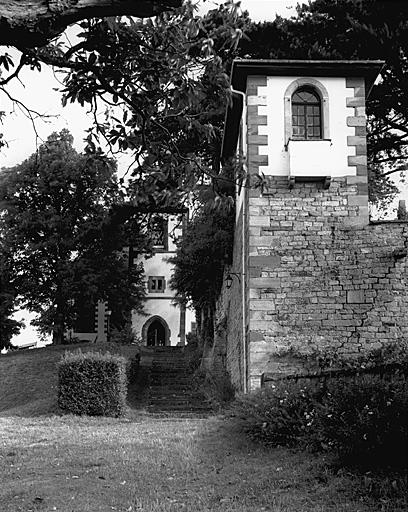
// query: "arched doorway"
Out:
[156,332]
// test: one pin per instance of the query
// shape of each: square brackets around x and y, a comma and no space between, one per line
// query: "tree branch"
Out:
[31,23]
[15,72]
[393,171]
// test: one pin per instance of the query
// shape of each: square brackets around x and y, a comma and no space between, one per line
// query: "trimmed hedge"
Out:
[92,383]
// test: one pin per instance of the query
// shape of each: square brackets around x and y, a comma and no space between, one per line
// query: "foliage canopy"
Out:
[65,247]
[205,249]
[353,29]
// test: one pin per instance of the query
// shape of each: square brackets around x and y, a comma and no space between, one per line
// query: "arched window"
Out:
[306,114]
[299,95]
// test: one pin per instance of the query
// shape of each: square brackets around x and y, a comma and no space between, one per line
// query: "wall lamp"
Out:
[229,279]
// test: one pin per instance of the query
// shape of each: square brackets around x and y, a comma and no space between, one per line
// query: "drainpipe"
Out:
[243,291]
[243,279]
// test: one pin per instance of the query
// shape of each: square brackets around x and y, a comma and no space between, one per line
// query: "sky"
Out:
[39,91]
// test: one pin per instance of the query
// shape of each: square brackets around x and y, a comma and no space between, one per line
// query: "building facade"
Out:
[313,273]
[163,322]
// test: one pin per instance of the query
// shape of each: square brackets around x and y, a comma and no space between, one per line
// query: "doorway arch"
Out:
[156,332]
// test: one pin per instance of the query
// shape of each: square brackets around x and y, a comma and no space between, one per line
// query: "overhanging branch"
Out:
[32,23]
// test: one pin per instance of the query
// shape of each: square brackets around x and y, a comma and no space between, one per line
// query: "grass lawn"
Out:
[145,463]
[150,464]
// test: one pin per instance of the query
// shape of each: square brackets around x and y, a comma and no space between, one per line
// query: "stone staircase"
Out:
[171,389]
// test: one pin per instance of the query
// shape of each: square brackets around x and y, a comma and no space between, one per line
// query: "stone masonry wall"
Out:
[228,351]
[319,278]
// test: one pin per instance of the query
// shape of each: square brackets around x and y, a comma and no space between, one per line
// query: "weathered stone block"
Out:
[260,140]
[359,111]
[261,305]
[355,297]
[357,160]
[356,121]
[265,261]
[259,220]
[353,140]
[362,189]
[358,101]
[361,130]
[361,170]
[357,222]
[358,200]
[256,100]
[355,180]
[258,159]
[361,150]
[255,336]
[255,81]
[257,120]
[264,282]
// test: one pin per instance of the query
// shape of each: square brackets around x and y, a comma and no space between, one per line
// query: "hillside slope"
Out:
[28,379]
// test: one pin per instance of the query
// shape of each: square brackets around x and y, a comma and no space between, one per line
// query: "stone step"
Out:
[170,375]
[171,385]
[177,399]
[179,407]
[167,390]
[183,378]
[168,369]
[176,396]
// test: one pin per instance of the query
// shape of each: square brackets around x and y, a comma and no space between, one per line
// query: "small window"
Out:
[156,284]
[306,115]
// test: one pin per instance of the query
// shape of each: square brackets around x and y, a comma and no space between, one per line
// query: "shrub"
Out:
[215,386]
[363,419]
[124,336]
[92,383]
[279,415]
[132,368]
[193,352]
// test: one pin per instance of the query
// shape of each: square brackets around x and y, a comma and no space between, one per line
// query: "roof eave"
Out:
[242,68]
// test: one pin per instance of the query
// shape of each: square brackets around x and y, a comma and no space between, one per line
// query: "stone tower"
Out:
[312,272]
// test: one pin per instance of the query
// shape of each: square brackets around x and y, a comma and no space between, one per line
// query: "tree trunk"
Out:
[58,328]
[31,23]
[58,334]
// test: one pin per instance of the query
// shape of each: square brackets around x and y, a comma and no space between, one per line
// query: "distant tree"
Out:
[66,248]
[8,326]
[353,29]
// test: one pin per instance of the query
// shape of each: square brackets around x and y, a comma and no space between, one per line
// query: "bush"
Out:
[279,415]
[92,383]
[124,336]
[215,386]
[193,352]
[362,419]
[132,368]
[365,420]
